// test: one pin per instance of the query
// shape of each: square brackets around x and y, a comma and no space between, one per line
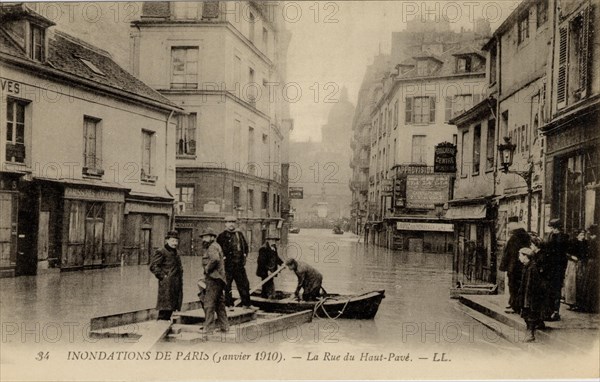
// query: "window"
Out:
[184,68]
[523,28]
[420,110]
[274,202]
[493,60]
[574,59]
[542,12]
[92,145]
[490,147]
[186,134]
[463,153]
[461,104]
[265,200]
[185,197]
[396,114]
[250,199]
[251,27]
[187,10]
[15,130]
[463,64]
[90,65]
[37,43]
[236,197]
[504,124]
[251,88]
[419,150]
[237,72]
[148,156]
[476,149]
[265,39]
[251,158]
[422,68]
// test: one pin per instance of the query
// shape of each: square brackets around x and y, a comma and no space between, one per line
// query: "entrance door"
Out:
[415,245]
[145,246]
[8,229]
[186,242]
[43,240]
[94,229]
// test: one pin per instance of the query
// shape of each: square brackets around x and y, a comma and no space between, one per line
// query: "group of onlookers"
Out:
[542,273]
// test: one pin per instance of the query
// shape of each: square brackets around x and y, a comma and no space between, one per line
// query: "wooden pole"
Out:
[262,283]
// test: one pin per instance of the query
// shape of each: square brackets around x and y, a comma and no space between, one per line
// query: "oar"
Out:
[238,302]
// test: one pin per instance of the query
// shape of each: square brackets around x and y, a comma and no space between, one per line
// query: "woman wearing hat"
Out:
[531,295]
[557,246]
[268,261]
[165,264]
[591,287]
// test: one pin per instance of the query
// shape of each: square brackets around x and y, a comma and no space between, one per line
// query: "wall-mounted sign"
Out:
[387,187]
[425,191]
[445,158]
[439,227]
[296,192]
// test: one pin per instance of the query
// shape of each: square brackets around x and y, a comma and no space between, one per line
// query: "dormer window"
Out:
[422,68]
[36,51]
[463,64]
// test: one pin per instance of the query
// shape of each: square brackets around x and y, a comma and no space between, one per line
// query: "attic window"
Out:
[463,64]
[422,68]
[37,43]
[91,66]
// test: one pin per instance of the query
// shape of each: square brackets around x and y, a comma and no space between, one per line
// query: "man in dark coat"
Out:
[309,279]
[215,280]
[512,266]
[531,294]
[268,261]
[557,246]
[235,250]
[165,264]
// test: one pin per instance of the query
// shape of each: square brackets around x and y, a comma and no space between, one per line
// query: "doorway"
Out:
[94,230]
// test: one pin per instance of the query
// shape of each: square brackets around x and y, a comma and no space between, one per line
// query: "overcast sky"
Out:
[332,41]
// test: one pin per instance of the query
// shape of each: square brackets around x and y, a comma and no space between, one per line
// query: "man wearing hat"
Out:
[235,250]
[519,238]
[555,262]
[165,264]
[215,280]
[268,261]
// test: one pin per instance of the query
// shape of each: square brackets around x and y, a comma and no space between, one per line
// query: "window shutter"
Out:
[153,154]
[448,105]
[409,110]
[561,84]
[584,60]
[432,109]
[191,135]
[98,145]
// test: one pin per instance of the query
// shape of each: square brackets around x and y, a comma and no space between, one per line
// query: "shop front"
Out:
[421,235]
[475,258]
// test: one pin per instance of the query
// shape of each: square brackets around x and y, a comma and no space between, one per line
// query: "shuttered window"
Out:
[561,84]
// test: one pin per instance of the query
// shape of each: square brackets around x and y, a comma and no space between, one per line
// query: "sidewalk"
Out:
[574,332]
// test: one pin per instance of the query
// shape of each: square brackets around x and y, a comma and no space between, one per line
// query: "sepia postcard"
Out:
[299,190]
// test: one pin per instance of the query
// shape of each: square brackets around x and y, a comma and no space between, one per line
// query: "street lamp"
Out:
[507,150]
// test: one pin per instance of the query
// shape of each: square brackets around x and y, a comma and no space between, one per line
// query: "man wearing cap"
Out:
[519,238]
[555,263]
[215,280]
[268,261]
[235,250]
[309,280]
[165,264]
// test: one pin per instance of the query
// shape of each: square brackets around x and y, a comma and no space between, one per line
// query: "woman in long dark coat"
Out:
[510,264]
[165,264]
[532,298]
[591,287]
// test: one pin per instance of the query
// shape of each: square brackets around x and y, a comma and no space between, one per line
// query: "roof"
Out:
[467,51]
[68,54]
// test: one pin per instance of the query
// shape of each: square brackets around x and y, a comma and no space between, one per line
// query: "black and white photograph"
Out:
[299,190]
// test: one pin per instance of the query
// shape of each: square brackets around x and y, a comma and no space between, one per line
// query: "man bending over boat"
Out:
[309,279]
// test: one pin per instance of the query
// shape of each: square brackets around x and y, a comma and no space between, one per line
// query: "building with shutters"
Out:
[87,159]
[224,63]
[437,79]
[572,157]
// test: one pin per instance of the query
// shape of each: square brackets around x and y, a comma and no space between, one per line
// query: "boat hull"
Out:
[363,307]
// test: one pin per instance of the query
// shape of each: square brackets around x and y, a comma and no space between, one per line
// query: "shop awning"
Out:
[468,212]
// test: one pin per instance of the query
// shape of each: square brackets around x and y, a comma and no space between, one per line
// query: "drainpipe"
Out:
[172,220]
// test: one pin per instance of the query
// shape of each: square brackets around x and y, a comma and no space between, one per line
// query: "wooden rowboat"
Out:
[363,306]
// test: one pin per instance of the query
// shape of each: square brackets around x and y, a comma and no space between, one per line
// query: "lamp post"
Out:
[507,150]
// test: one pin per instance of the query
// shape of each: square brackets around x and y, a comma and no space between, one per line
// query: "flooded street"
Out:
[416,313]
